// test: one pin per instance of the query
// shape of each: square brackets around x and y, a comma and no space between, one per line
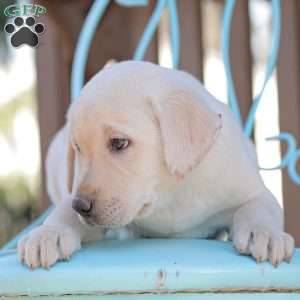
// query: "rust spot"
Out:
[161,279]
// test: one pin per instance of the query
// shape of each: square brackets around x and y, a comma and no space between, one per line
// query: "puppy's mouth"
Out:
[86,221]
[144,211]
[90,222]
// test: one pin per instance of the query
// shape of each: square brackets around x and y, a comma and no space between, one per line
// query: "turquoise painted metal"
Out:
[83,45]
[292,155]
[151,266]
[272,60]
[152,26]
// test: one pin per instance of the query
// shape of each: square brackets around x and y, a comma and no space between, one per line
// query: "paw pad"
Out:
[24,31]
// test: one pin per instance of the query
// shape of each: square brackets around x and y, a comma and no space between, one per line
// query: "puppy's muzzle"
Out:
[83,206]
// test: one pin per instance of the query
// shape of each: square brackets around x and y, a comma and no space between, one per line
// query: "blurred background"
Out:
[35,82]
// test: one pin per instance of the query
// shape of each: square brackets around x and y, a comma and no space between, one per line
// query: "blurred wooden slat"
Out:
[240,54]
[52,89]
[191,49]
[116,37]
[289,103]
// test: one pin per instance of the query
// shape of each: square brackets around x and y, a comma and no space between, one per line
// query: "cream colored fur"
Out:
[188,172]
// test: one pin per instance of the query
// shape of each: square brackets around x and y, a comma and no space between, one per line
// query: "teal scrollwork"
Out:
[152,26]
[291,156]
[233,102]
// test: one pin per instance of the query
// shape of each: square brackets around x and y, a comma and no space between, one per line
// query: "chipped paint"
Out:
[161,278]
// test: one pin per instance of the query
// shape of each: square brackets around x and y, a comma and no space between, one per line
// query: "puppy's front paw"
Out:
[264,244]
[47,244]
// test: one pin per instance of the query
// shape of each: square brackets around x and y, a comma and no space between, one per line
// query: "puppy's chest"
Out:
[182,216]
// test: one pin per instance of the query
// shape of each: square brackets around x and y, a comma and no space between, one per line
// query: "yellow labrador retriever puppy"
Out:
[149,147]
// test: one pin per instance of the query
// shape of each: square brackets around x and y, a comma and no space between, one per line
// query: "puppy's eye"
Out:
[118,144]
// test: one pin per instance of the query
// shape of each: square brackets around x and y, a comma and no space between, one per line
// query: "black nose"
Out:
[83,206]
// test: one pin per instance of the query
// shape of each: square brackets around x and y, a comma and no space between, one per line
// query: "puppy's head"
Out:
[135,131]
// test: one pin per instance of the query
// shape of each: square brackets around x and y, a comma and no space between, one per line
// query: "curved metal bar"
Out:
[131,3]
[175,33]
[233,102]
[83,45]
[271,63]
[152,26]
[149,31]
[292,170]
[272,60]
[225,47]
[291,148]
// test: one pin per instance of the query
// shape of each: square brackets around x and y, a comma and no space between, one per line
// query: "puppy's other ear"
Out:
[70,167]
[188,127]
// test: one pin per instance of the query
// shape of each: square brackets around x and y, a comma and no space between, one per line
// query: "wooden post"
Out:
[289,104]
[240,53]
[52,91]
[191,49]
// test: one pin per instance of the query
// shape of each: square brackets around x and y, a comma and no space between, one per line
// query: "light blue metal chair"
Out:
[152,269]
[157,268]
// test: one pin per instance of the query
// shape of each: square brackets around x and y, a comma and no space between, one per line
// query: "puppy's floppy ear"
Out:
[70,167]
[188,128]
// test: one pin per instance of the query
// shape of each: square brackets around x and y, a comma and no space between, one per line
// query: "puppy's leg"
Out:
[258,230]
[57,239]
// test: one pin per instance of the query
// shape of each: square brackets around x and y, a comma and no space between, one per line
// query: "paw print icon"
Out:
[24,31]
